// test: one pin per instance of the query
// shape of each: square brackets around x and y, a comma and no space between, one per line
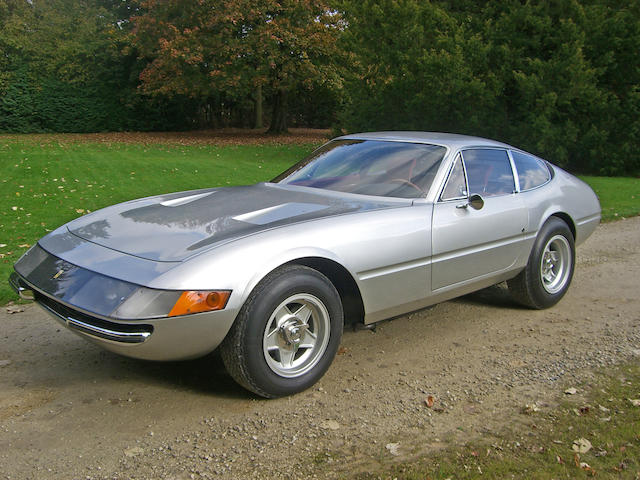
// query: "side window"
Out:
[532,172]
[489,172]
[456,186]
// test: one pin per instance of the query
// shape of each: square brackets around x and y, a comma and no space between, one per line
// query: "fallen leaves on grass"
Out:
[584,410]
[622,466]
[583,465]
[225,136]
[587,468]
[581,445]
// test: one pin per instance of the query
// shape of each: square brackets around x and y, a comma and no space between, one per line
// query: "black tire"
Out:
[290,366]
[544,281]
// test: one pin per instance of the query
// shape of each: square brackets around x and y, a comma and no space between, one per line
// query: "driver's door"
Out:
[469,243]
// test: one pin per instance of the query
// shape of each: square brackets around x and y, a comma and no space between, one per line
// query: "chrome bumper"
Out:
[96,331]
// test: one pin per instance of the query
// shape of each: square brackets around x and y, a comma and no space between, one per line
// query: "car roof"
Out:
[451,140]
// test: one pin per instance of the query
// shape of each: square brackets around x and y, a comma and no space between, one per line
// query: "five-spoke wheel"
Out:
[555,264]
[296,335]
[286,334]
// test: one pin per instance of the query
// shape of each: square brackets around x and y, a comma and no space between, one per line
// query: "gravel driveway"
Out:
[71,410]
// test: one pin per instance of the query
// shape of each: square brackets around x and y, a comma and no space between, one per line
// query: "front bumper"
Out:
[175,338]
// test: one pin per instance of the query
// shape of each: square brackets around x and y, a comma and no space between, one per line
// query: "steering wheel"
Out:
[407,182]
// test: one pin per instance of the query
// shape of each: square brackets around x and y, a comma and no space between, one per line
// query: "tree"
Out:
[237,47]
[414,66]
[558,78]
[612,37]
[55,55]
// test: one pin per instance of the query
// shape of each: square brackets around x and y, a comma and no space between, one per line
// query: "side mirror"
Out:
[476,202]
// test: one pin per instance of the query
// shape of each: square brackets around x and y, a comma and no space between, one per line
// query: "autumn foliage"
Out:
[238,47]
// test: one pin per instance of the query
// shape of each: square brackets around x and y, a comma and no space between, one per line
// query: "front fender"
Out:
[291,256]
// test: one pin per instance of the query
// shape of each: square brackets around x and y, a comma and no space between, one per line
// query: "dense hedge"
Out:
[32,104]
[559,78]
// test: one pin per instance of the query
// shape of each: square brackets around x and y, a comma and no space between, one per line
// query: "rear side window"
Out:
[532,172]
[489,172]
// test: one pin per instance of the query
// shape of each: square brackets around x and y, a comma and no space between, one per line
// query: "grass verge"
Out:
[595,433]
[619,196]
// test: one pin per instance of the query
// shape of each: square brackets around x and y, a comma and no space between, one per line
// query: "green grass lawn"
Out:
[46,183]
[619,196]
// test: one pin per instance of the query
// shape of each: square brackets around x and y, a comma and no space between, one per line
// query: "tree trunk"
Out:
[279,115]
[258,100]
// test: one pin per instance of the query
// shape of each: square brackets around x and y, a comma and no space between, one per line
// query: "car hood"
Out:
[174,227]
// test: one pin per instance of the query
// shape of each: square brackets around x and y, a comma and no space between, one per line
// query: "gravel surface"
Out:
[71,410]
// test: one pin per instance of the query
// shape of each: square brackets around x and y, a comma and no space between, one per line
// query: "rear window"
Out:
[532,172]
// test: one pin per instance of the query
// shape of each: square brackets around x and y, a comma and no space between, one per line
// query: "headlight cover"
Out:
[107,296]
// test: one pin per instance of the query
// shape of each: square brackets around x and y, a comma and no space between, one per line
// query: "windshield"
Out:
[369,167]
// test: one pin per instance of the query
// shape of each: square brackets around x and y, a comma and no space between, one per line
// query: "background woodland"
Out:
[559,78]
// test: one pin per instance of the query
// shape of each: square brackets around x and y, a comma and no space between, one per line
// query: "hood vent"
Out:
[278,212]
[176,202]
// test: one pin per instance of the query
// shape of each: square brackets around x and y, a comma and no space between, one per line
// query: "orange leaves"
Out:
[223,49]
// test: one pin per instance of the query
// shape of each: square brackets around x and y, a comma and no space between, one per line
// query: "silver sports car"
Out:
[368,227]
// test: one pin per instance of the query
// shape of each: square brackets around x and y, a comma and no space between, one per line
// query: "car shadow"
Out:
[206,375]
[496,296]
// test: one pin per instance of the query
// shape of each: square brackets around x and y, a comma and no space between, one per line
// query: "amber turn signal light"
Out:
[200,301]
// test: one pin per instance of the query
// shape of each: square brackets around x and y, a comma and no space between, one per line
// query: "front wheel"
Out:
[286,334]
[549,271]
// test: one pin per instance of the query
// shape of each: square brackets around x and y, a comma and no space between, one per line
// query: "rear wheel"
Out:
[286,334]
[549,271]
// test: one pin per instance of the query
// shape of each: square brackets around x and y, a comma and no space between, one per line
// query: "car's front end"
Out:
[124,317]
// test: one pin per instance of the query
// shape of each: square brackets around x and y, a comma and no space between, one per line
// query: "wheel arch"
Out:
[566,218]
[342,280]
